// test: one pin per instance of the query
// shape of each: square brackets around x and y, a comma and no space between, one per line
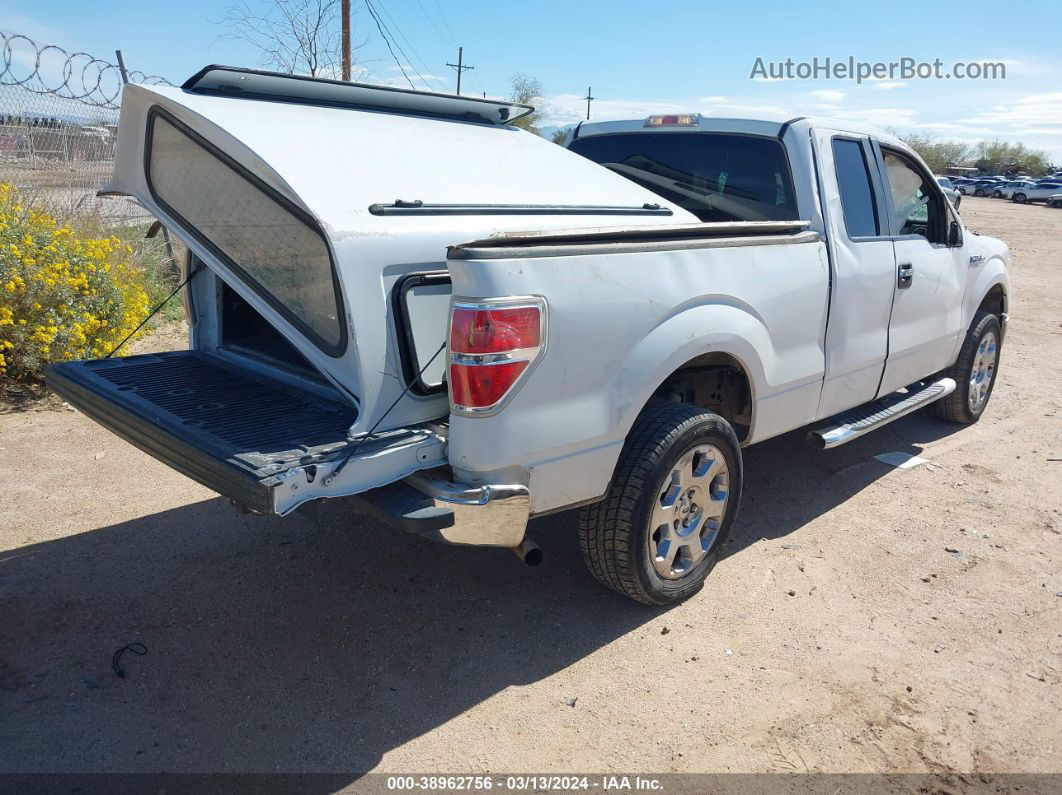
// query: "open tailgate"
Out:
[265,444]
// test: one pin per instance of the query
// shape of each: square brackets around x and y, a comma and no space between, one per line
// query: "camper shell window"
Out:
[273,245]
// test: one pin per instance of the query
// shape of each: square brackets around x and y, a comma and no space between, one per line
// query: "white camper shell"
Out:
[386,191]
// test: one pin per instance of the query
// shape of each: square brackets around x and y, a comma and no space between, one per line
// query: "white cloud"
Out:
[827,95]
[878,117]
[748,109]
[887,85]
[409,70]
[564,109]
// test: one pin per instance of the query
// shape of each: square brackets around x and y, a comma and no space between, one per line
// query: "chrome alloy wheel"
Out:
[689,512]
[983,371]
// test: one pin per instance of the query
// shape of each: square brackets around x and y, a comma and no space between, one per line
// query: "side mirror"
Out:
[954,234]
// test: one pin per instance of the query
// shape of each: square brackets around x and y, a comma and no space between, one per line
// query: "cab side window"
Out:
[917,205]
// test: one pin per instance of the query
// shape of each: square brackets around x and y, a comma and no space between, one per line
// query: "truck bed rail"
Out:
[614,240]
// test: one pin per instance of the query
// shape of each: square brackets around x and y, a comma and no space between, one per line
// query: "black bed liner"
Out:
[229,428]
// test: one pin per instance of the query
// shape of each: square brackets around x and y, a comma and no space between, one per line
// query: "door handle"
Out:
[904,275]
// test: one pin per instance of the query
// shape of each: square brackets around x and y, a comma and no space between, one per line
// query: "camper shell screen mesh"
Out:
[272,244]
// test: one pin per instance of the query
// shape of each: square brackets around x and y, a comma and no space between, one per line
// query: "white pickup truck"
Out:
[401,296]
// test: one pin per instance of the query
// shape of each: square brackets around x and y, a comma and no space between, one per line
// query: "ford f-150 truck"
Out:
[402,299]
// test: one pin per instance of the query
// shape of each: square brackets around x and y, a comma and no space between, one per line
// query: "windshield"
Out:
[716,176]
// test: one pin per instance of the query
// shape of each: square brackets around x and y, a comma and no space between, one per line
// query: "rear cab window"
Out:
[856,189]
[715,176]
[275,247]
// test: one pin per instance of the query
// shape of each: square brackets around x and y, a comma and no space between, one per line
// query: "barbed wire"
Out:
[50,70]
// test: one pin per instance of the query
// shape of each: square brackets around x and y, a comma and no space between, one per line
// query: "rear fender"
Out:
[680,339]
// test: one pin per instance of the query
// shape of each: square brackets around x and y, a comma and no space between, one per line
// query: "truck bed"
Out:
[224,426]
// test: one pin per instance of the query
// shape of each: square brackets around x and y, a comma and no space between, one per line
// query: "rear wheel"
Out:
[657,533]
[974,372]
[1020,198]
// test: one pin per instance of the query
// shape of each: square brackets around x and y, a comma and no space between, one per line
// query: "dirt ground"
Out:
[864,618]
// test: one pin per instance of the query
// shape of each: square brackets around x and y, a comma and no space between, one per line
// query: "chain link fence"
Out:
[58,134]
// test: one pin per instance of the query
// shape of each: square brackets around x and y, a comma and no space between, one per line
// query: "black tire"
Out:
[957,407]
[614,534]
[979,192]
[1019,198]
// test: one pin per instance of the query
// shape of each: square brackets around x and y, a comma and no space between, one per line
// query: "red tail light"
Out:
[491,348]
[494,330]
[481,385]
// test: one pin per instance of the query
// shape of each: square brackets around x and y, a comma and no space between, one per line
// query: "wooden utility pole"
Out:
[588,99]
[460,66]
[345,13]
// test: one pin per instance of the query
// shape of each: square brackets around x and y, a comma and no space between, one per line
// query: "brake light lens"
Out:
[483,385]
[674,120]
[494,330]
[491,348]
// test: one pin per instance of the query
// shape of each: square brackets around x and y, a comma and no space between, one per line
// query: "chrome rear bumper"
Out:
[494,515]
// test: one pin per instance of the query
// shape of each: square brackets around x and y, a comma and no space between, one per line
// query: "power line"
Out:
[446,24]
[388,33]
[431,21]
[459,67]
[409,44]
[379,27]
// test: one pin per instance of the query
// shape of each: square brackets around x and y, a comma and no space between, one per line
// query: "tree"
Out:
[293,36]
[938,154]
[996,157]
[527,91]
[559,135]
[990,157]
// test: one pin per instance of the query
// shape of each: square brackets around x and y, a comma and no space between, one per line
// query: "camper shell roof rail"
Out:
[234,81]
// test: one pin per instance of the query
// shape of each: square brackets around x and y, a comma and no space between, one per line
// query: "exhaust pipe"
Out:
[528,551]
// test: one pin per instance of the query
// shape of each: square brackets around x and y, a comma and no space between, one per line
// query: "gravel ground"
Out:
[864,619]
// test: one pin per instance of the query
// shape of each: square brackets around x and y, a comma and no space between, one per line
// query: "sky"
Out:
[642,58]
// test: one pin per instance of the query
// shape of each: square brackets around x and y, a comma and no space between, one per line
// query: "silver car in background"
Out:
[1036,192]
[1006,190]
[949,190]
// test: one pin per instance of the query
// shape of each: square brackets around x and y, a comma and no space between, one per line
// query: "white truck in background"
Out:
[401,296]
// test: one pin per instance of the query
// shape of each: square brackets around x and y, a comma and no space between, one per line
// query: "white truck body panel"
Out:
[763,304]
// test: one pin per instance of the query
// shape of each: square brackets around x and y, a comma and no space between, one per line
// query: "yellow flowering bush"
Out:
[62,296]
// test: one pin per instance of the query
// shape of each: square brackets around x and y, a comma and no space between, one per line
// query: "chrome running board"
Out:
[864,419]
